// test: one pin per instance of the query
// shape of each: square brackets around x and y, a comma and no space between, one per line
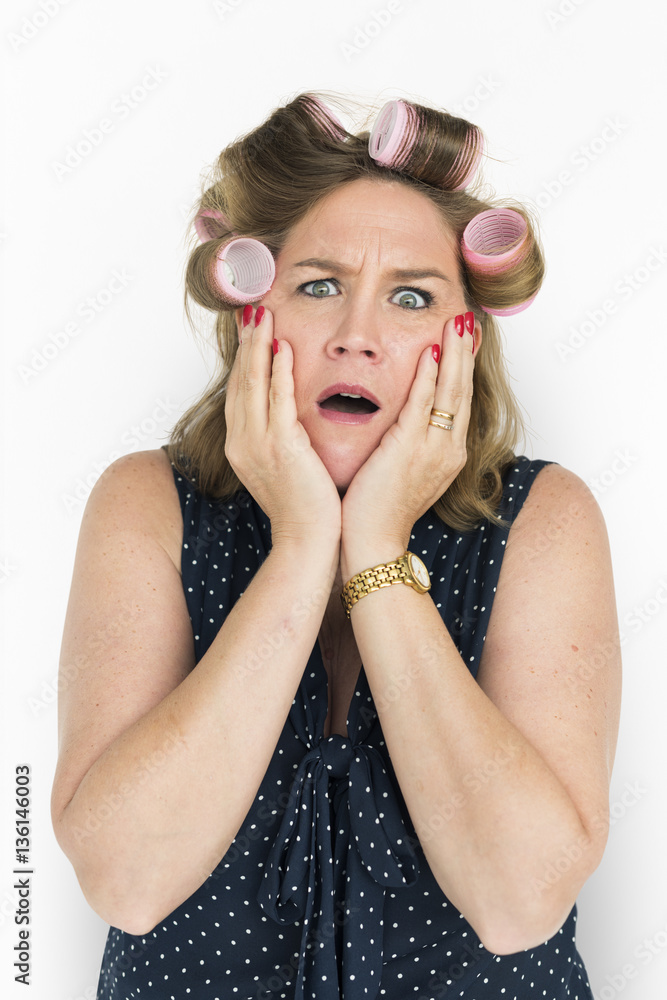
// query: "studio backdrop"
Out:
[113,113]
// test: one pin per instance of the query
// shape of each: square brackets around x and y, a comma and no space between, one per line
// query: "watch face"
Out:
[420,572]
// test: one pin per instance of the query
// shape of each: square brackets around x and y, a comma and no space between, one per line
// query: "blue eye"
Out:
[409,296]
[319,288]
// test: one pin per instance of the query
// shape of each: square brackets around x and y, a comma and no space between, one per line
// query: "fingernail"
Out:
[458,325]
[276,346]
[436,352]
[247,314]
[470,322]
[258,315]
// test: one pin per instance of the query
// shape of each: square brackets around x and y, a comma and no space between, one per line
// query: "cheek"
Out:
[302,338]
[405,348]
[275,300]
[304,343]
[402,352]
[405,341]
[285,315]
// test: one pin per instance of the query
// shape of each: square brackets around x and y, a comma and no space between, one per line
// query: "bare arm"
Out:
[507,777]
[159,763]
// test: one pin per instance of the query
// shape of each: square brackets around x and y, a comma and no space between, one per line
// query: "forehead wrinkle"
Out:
[387,220]
[351,253]
[347,262]
[379,220]
[345,239]
[380,228]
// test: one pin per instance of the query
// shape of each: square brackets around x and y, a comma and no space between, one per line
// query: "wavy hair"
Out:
[264,183]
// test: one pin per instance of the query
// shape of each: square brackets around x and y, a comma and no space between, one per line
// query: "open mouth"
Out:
[345,402]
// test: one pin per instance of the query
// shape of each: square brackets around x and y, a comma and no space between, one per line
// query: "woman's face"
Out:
[351,318]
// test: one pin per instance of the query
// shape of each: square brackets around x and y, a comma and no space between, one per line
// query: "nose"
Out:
[358,330]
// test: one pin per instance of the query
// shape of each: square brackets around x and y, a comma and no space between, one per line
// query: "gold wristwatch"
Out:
[409,569]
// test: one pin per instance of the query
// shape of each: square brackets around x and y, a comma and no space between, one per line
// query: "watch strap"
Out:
[368,580]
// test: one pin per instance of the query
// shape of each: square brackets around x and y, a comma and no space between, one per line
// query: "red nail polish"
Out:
[435,350]
[276,346]
[470,321]
[247,314]
[258,315]
[458,325]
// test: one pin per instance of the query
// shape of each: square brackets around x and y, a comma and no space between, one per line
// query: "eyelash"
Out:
[427,296]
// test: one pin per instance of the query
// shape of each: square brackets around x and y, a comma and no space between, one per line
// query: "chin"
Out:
[342,465]
[343,451]
[342,473]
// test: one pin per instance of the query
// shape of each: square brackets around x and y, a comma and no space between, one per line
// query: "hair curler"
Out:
[393,134]
[473,165]
[327,119]
[510,311]
[493,242]
[206,226]
[396,133]
[243,269]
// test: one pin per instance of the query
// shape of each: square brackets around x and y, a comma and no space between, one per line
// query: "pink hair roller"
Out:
[244,271]
[327,119]
[493,242]
[394,136]
[393,129]
[206,229]
[244,268]
[473,166]
[512,310]
[490,230]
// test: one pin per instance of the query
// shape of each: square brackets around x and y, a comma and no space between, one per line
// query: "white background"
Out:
[543,79]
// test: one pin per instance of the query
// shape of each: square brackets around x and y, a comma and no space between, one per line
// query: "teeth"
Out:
[352,395]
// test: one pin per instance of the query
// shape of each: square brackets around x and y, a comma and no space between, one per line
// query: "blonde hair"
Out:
[262,185]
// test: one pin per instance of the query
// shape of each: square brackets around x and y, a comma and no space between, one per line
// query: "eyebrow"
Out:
[398,274]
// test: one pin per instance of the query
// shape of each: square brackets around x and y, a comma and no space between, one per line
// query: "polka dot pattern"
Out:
[325,893]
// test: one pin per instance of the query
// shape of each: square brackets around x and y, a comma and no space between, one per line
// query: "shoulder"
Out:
[558,511]
[555,597]
[553,477]
[138,492]
[556,572]
[139,480]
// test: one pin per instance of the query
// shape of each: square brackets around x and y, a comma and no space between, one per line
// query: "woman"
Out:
[363,789]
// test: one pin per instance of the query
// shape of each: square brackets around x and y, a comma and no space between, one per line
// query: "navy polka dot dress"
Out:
[325,893]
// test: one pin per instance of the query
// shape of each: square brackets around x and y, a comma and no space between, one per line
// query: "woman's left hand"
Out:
[415,462]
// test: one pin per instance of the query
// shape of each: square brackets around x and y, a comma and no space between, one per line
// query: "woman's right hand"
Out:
[266,445]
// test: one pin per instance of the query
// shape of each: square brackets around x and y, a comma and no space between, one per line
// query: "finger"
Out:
[235,415]
[231,390]
[417,410]
[454,386]
[282,403]
[255,374]
[460,429]
[232,415]
[468,369]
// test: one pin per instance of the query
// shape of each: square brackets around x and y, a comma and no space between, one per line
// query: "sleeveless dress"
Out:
[325,893]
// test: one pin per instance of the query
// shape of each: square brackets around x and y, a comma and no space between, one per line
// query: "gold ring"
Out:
[439,413]
[443,427]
